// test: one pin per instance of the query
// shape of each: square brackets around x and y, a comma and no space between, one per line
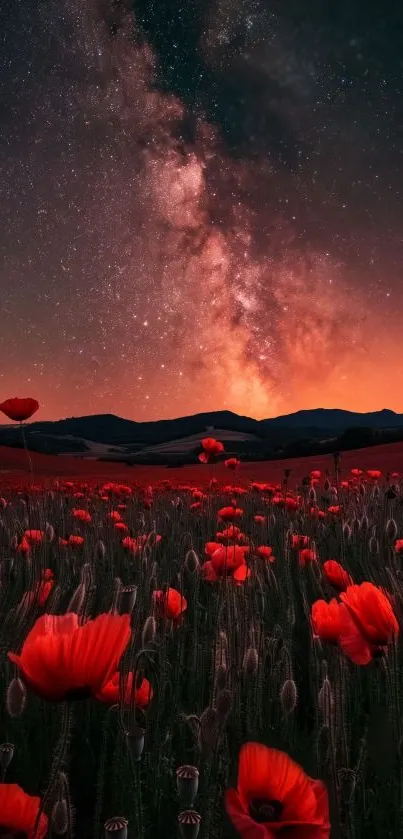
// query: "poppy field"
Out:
[212,660]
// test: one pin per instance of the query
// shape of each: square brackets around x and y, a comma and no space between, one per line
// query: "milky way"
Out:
[212,224]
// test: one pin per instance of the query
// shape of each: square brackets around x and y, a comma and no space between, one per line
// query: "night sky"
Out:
[201,206]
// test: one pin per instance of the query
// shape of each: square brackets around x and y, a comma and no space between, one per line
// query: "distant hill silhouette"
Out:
[177,440]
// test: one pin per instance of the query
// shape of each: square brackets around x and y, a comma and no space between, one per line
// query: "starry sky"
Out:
[201,206]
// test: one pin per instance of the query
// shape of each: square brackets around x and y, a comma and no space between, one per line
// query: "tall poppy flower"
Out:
[19,410]
[369,623]
[111,691]
[326,620]
[61,660]
[211,448]
[170,604]
[337,576]
[19,812]
[230,513]
[274,797]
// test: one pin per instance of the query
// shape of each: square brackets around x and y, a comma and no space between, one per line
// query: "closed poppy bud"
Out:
[49,532]
[250,662]
[373,546]
[326,701]
[189,824]
[192,561]
[116,828]
[60,817]
[347,532]
[135,741]
[149,631]
[288,696]
[221,677]
[187,781]
[16,698]
[364,524]
[100,550]
[6,756]
[391,529]
[224,702]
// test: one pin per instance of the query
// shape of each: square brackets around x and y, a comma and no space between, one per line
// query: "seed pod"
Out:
[250,663]
[135,741]
[60,817]
[6,756]
[289,696]
[187,782]
[189,824]
[224,702]
[192,561]
[127,599]
[149,631]
[116,828]
[16,698]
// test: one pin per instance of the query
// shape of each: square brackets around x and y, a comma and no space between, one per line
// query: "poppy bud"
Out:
[14,543]
[116,595]
[116,828]
[16,698]
[189,824]
[326,700]
[6,756]
[312,496]
[288,696]
[192,561]
[250,663]
[347,532]
[135,741]
[187,781]
[60,817]
[272,520]
[221,677]
[364,524]
[361,489]
[49,532]
[391,530]
[224,702]
[149,631]
[76,603]
[100,550]
[326,485]
[127,599]
[373,546]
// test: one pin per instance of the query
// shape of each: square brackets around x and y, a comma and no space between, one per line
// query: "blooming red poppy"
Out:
[374,473]
[356,472]
[259,519]
[19,813]
[211,448]
[227,558]
[232,463]
[82,515]
[326,620]
[62,660]
[18,409]
[230,534]
[238,575]
[337,576]
[170,604]
[399,546]
[230,513]
[316,474]
[306,556]
[75,541]
[299,541]
[369,623]
[265,552]
[111,691]
[34,537]
[274,797]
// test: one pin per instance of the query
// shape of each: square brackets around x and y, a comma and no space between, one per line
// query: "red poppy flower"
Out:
[230,534]
[259,519]
[210,547]
[232,463]
[306,556]
[75,541]
[19,410]
[228,558]
[369,623]
[316,473]
[230,513]
[62,660]
[265,552]
[211,448]
[114,515]
[170,604]
[334,509]
[274,797]
[299,541]
[111,692]
[337,576]
[19,812]
[399,546]
[120,526]
[326,620]
[356,472]
[82,515]
[374,473]
[239,574]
